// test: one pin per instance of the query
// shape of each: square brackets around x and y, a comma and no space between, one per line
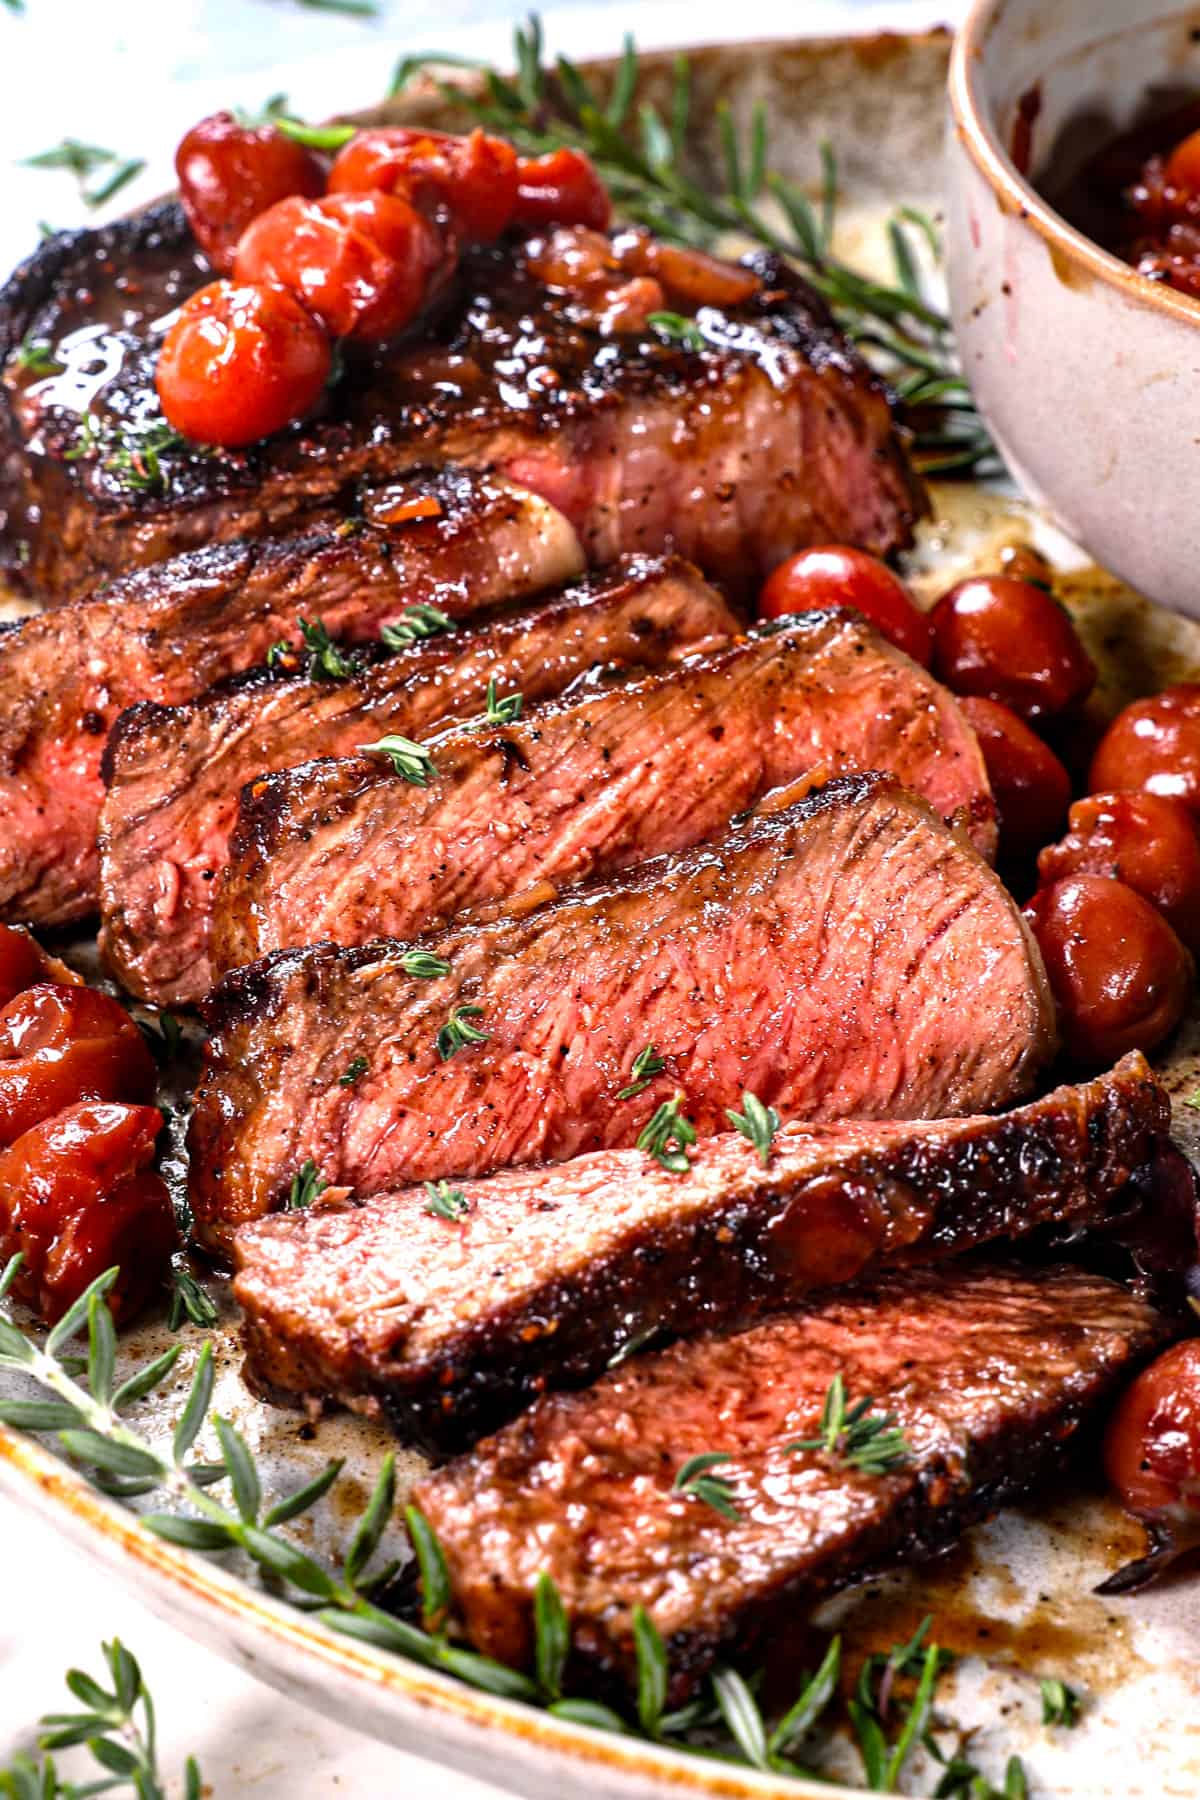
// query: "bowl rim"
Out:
[974,127]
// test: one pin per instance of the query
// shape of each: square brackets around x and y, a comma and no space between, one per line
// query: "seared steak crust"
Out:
[773,436]
[174,773]
[455,1326]
[167,633]
[988,1371]
[847,956]
[347,850]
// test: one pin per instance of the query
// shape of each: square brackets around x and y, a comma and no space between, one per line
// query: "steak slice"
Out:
[348,850]
[773,436]
[174,773]
[169,632]
[845,956]
[453,1326]
[988,1372]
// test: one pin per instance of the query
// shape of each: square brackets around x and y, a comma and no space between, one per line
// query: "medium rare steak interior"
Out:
[348,850]
[989,1372]
[847,956]
[772,436]
[453,1325]
[174,773]
[461,542]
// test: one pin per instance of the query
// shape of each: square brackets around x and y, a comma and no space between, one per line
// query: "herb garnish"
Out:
[1193,1100]
[665,1127]
[353,9]
[757,1124]
[36,356]
[646,1065]
[423,965]
[137,458]
[1060,1703]
[676,329]
[164,1036]
[458,1031]
[414,624]
[356,1068]
[410,760]
[855,1436]
[497,711]
[693,1478]
[326,662]
[317,137]
[306,1186]
[85,160]
[446,1202]
[189,1300]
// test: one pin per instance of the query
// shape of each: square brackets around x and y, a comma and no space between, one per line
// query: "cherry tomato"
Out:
[361,263]
[1149,843]
[1152,1445]
[229,173]
[1118,972]
[59,1045]
[77,1198]
[240,363]
[23,961]
[561,188]
[1010,641]
[1183,165]
[1154,745]
[833,575]
[473,179]
[1030,786]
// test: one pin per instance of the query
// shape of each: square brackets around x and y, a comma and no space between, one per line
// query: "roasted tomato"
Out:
[1118,972]
[59,1045]
[1010,641]
[1154,745]
[1030,786]
[77,1197]
[833,575]
[560,188]
[1150,843]
[471,180]
[240,363]
[361,263]
[23,961]
[229,173]
[1152,1455]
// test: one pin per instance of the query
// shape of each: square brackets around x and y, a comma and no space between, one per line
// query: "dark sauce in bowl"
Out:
[1139,197]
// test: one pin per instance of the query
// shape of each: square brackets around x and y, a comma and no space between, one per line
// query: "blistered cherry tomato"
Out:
[23,961]
[560,188]
[229,173]
[1150,843]
[77,1197]
[59,1045]
[1010,641]
[361,263]
[1183,165]
[1030,786]
[240,363]
[833,575]
[1152,1445]
[1154,745]
[472,180]
[1118,972]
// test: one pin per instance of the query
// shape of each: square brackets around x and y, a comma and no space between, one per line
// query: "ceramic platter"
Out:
[1016,1598]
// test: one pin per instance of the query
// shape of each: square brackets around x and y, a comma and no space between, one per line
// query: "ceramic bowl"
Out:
[1087,373]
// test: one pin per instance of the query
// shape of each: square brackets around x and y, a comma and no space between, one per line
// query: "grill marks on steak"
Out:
[988,1371]
[174,773]
[347,850]
[166,633]
[773,436]
[454,1327]
[847,956]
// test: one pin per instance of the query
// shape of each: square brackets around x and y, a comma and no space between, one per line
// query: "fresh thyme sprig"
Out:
[423,965]
[756,1123]
[641,156]
[855,1436]
[498,710]
[646,1065]
[306,1187]
[326,660]
[446,1202]
[693,1477]
[132,453]
[665,1128]
[414,624]
[458,1031]
[409,760]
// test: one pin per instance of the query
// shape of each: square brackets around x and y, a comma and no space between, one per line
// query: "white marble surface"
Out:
[129,75]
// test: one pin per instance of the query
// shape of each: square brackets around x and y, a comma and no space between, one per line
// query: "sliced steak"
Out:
[453,1325]
[167,633]
[846,956]
[174,773]
[988,1373]
[772,436]
[348,850]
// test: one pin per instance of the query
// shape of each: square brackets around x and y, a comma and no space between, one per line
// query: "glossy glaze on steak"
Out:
[773,436]
[169,632]
[847,956]
[174,773]
[348,850]
[989,1373]
[452,1326]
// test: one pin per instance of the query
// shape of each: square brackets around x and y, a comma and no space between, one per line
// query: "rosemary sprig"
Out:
[189,1300]
[458,1031]
[423,965]
[756,1123]
[446,1202]
[411,761]
[855,1436]
[646,1065]
[497,710]
[415,623]
[164,1036]
[86,160]
[665,1128]
[694,1478]
[351,9]
[306,1187]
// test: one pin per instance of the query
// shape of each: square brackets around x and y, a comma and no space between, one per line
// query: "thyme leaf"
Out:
[326,662]
[668,1127]
[356,1068]
[415,623]
[497,710]
[423,965]
[36,356]
[855,1436]
[756,1123]
[446,1202]
[458,1031]
[693,1478]
[306,1186]
[646,1065]
[411,761]
[1060,1703]
[675,329]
